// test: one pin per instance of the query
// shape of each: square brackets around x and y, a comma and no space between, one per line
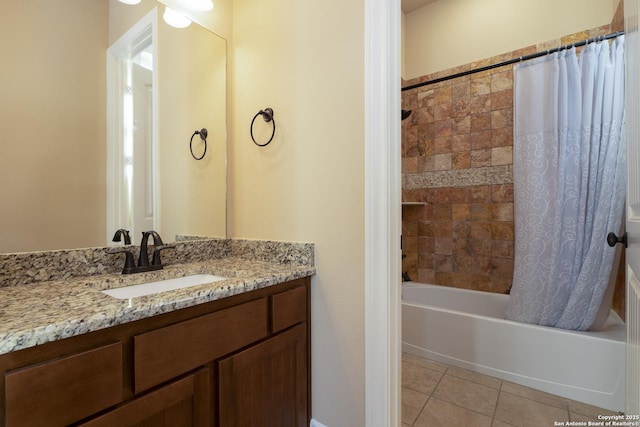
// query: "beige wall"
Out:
[192,95]
[306,61]
[52,165]
[445,34]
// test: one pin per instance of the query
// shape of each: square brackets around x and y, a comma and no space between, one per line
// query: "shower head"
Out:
[405,114]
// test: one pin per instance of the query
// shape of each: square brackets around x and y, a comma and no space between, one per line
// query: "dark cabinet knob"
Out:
[612,239]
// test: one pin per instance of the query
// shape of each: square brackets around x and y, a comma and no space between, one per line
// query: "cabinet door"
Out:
[266,385]
[185,402]
[64,390]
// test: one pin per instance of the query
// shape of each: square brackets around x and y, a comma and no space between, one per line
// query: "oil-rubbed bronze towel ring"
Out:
[203,136]
[267,115]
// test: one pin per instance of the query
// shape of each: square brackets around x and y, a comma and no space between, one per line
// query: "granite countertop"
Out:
[36,313]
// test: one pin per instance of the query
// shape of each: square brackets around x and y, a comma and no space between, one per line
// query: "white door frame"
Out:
[118,203]
[382,213]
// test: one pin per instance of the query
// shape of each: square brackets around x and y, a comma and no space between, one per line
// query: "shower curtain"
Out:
[569,183]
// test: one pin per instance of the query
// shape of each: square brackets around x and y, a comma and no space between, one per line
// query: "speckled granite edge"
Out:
[62,309]
[33,267]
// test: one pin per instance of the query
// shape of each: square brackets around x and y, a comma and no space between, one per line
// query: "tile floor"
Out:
[435,394]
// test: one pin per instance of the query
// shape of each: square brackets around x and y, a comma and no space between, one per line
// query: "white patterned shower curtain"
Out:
[569,180]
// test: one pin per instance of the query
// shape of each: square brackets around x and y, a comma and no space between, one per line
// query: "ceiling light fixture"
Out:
[130,1]
[175,19]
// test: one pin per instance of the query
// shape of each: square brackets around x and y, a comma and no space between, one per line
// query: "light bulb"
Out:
[175,19]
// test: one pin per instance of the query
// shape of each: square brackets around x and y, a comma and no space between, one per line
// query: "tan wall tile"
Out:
[481,194]
[442,162]
[444,127]
[462,229]
[442,95]
[502,118]
[461,108]
[426,164]
[502,193]
[461,143]
[502,231]
[502,137]
[501,100]
[502,249]
[481,104]
[426,260]
[462,264]
[501,156]
[502,211]
[502,80]
[461,160]
[480,122]
[442,229]
[442,144]
[409,165]
[443,263]
[480,158]
[461,125]
[480,85]
[460,90]
[481,230]
[481,139]
[461,247]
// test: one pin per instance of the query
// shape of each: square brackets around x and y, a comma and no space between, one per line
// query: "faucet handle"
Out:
[156,252]
[129,264]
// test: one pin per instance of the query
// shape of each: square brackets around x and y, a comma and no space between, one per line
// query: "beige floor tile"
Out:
[523,412]
[443,414]
[475,377]
[419,378]
[412,404]
[406,425]
[498,423]
[537,395]
[425,363]
[469,395]
[588,410]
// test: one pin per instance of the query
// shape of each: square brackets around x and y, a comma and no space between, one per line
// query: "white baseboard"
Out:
[315,423]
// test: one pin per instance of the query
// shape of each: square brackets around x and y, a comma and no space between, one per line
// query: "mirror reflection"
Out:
[53,124]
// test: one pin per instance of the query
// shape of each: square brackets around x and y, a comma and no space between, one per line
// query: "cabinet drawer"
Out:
[288,308]
[65,390]
[174,350]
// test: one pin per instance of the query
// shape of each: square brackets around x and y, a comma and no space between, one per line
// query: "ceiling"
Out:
[411,5]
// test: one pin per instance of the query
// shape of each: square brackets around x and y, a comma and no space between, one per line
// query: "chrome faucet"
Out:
[143,257]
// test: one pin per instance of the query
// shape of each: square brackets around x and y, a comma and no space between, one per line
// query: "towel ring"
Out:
[203,136]
[267,115]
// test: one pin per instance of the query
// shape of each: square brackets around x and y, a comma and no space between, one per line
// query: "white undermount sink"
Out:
[150,288]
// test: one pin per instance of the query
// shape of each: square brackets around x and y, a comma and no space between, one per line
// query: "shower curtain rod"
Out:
[514,60]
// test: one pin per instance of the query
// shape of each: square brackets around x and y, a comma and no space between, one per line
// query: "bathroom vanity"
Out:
[240,359]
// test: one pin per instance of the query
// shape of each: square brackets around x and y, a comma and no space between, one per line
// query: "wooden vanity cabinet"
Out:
[239,361]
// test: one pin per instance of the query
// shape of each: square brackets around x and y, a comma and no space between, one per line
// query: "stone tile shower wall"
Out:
[457,159]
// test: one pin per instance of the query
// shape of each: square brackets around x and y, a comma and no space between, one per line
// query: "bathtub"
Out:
[467,329]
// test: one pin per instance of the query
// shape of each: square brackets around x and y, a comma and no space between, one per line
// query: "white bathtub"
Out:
[467,329]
